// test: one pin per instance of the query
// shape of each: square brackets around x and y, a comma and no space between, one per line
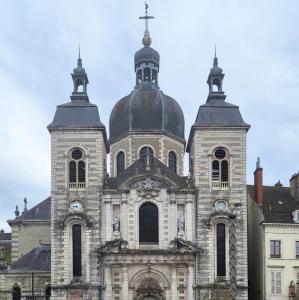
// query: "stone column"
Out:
[124,287]
[188,218]
[108,283]
[108,205]
[190,282]
[124,217]
[173,217]
[174,289]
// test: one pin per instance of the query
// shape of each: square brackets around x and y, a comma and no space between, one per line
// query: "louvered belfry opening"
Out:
[148,224]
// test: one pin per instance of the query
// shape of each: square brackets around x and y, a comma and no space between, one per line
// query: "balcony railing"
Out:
[34,297]
[220,185]
[77,186]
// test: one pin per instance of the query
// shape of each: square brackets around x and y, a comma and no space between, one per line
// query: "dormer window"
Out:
[220,169]
[296,216]
[77,169]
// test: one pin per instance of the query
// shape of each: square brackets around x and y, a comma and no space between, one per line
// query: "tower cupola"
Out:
[80,80]
[147,59]
[215,79]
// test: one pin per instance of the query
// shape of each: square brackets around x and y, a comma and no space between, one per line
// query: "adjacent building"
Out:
[273,236]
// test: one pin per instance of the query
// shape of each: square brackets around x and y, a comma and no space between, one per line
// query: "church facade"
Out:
[146,231]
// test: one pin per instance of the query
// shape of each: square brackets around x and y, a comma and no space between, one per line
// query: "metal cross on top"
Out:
[146,17]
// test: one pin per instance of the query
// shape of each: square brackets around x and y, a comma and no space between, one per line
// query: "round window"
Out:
[220,205]
[76,154]
[220,153]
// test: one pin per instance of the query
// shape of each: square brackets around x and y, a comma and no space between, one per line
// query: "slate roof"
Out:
[278,204]
[38,259]
[5,236]
[216,112]
[40,212]
[158,169]
[77,114]
[147,110]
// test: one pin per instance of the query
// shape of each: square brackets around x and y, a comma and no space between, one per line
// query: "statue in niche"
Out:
[181,226]
[116,228]
[115,224]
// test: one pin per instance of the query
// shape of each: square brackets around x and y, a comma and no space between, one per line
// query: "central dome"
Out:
[147,110]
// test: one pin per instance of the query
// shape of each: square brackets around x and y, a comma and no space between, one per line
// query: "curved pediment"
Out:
[154,176]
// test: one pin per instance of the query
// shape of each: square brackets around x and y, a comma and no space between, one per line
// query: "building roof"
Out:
[278,204]
[147,110]
[5,236]
[40,212]
[38,259]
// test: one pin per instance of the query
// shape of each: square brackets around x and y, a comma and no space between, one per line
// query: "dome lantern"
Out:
[147,59]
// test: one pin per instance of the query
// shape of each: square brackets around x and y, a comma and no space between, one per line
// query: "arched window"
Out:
[77,169]
[221,255]
[220,168]
[145,150]
[77,250]
[172,161]
[16,293]
[148,223]
[48,293]
[147,74]
[120,162]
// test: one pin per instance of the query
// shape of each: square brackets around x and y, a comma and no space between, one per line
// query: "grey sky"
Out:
[258,49]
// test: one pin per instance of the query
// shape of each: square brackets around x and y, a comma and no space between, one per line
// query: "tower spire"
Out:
[146,41]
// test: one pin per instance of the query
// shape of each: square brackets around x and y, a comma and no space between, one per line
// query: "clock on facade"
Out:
[220,205]
[76,206]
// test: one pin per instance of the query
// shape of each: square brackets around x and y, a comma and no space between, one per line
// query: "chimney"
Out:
[258,183]
[294,186]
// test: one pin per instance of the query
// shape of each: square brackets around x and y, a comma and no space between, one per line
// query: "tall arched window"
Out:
[145,150]
[77,169]
[148,223]
[77,250]
[16,293]
[172,161]
[220,168]
[221,250]
[120,162]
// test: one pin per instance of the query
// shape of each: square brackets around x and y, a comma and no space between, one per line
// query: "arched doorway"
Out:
[148,224]
[16,293]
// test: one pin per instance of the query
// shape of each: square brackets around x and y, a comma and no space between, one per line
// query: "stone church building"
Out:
[144,231]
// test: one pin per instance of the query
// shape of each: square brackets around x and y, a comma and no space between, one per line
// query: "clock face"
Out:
[220,205]
[76,206]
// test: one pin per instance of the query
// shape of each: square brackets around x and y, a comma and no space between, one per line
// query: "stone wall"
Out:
[160,143]
[92,143]
[9,280]
[28,235]
[204,142]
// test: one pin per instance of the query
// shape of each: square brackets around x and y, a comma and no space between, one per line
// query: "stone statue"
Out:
[116,224]
[181,224]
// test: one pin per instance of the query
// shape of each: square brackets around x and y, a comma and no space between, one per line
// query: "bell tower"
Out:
[217,149]
[78,166]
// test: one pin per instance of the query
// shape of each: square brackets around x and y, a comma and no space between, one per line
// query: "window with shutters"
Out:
[77,250]
[220,169]
[172,161]
[297,249]
[276,282]
[77,172]
[148,224]
[120,162]
[221,249]
[275,249]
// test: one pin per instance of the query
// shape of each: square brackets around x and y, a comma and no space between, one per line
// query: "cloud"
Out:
[257,47]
